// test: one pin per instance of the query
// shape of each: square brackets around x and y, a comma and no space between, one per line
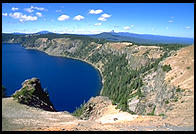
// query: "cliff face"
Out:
[32,94]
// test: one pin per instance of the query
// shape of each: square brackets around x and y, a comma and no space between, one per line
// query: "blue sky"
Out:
[169,19]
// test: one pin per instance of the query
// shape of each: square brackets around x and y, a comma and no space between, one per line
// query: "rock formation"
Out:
[93,108]
[32,94]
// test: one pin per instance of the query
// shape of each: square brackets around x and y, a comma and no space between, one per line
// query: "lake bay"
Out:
[69,82]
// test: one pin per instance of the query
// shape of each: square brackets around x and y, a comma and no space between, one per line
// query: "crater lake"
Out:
[69,82]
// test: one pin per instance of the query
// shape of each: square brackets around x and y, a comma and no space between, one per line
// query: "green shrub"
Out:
[24,95]
[166,102]
[166,68]
[131,112]
[161,114]
[176,99]
[136,51]
[113,103]
[78,112]
[178,89]
[188,67]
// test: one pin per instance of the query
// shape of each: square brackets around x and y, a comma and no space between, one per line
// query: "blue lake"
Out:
[69,82]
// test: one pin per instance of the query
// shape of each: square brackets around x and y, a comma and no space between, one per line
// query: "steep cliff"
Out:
[32,94]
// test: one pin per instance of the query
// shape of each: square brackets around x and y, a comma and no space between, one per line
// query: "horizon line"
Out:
[97,33]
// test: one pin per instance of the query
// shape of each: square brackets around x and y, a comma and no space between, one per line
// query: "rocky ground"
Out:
[19,117]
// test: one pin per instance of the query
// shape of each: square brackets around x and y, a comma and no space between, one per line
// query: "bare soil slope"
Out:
[182,75]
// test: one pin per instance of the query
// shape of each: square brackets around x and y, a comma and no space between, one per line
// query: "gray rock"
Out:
[133,104]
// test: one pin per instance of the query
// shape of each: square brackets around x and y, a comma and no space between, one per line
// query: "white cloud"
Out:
[170,21]
[22,18]
[29,10]
[63,17]
[39,14]
[104,17]
[78,17]
[14,9]
[126,27]
[4,14]
[98,24]
[38,8]
[95,11]
[188,27]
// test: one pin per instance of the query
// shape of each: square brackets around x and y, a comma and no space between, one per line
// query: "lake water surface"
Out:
[69,82]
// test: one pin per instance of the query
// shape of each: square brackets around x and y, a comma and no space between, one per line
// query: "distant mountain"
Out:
[125,36]
[17,33]
[43,32]
[112,36]
[142,38]
[158,38]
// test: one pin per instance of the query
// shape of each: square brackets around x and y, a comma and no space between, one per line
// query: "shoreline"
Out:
[96,68]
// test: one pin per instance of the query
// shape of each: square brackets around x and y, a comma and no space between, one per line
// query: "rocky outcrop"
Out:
[32,94]
[93,108]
